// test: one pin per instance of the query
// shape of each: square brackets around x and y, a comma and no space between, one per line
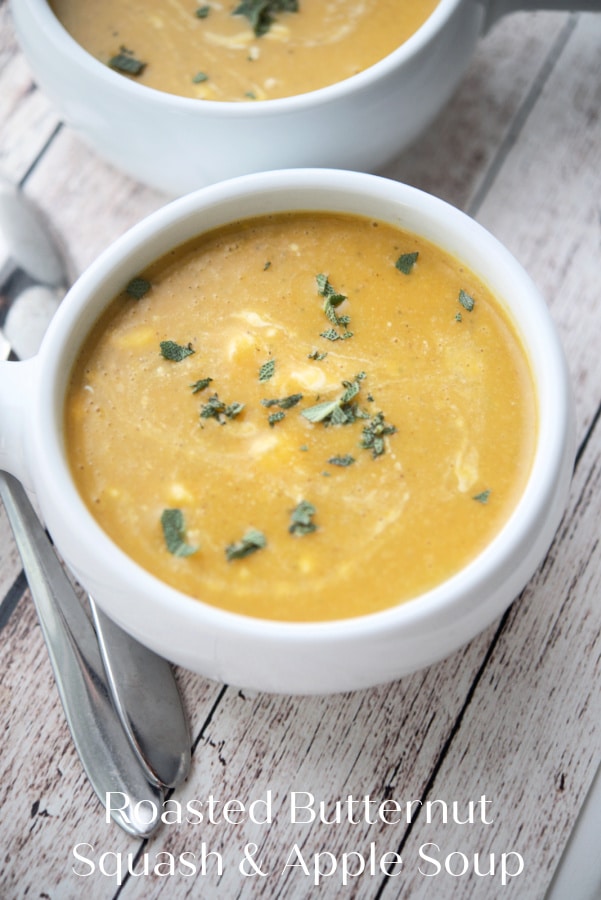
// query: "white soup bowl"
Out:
[269,655]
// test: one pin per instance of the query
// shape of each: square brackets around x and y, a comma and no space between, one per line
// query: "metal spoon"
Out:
[107,756]
[142,684]
[147,701]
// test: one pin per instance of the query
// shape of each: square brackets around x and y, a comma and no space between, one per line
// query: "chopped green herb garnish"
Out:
[138,287]
[202,12]
[329,307]
[405,262]
[301,519]
[458,317]
[338,411]
[303,447]
[482,497]
[330,335]
[260,13]
[175,352]
[267,370]
[200,77]
[352,388]
[290,401]
[323,285]
[174,532]
[127,63]
[215,408]
[321,411]
[251,95]
[466,301]
[342,461]
[316,355]
[374,433]
[332,301]
[276,417]
[251,541]
[267,265]
[200,385]
[283,402]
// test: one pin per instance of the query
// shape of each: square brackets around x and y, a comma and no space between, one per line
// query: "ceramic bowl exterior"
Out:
[264,655]
[178,144]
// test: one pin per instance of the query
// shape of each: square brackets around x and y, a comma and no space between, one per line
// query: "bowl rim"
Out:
[54,30]
[553,398]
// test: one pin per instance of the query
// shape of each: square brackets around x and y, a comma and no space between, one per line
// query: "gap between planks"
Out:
[41,153]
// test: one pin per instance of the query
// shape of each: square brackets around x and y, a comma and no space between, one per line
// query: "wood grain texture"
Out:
[455,155]
[532,731]
[513,716]
[382,742]
[545,204]
[47,805]
[10,563]
[89,203]
[27,121]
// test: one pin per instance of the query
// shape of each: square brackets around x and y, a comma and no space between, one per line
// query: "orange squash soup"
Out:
[250,50]
[302,416]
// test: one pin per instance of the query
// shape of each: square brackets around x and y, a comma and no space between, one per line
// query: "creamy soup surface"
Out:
[302,417]
[203,50]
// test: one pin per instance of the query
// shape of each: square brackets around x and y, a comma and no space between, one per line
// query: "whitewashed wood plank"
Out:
[451,158]
[27,119]
[531,736]
[10,563]
[47,804]
[545,204]
[88,202]
[47,801]
[382,742]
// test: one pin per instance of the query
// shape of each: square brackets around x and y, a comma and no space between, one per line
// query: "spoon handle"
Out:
[104,749]
[148,702]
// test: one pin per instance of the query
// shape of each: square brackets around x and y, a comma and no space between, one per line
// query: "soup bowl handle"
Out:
[17,381]
[496,9]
